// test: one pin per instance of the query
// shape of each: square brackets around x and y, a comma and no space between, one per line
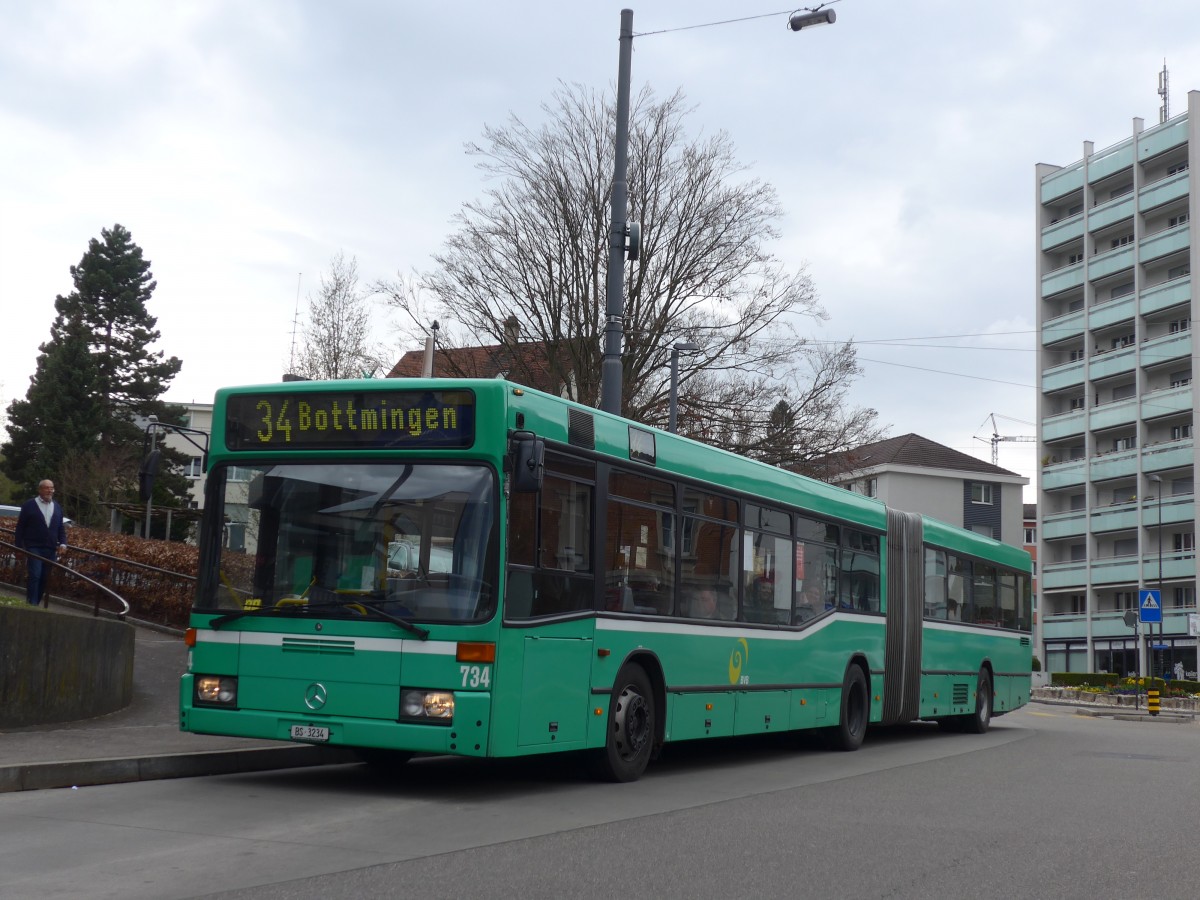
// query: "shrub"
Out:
[1084,679]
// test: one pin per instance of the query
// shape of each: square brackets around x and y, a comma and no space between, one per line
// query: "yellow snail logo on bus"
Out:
[738,658]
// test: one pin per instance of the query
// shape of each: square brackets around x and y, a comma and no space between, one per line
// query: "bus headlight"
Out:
[215,690]
[429,706]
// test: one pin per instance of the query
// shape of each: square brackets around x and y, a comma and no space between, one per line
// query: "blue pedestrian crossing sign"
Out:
[1149,606]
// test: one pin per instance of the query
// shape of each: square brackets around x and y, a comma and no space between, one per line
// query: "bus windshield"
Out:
[412,540]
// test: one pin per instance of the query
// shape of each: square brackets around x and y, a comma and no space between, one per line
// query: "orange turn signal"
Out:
[189,637]
[476,651]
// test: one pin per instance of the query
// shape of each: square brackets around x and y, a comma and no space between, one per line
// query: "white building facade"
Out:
[1116,402]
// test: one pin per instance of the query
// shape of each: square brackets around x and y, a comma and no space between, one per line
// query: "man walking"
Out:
[42,534]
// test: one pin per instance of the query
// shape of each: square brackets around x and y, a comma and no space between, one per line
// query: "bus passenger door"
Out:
[554,691]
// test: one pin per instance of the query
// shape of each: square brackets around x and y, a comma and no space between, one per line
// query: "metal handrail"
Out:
[96,610]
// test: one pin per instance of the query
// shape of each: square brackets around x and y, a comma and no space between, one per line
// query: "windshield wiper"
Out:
[422,633]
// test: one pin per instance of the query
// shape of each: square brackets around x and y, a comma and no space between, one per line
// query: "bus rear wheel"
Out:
[851,728]
[981,719]
[632,720]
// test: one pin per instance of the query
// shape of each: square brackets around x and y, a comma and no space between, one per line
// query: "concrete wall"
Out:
[57,668]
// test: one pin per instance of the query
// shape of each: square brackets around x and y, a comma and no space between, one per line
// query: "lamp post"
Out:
[624,237]
[673,414]
[150,500]
[1157,479]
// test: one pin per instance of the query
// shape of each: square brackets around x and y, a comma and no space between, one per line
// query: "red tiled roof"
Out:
[526,363]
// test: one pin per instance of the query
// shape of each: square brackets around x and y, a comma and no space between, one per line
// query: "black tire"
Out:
[632,725]
[851,728]
[979,721]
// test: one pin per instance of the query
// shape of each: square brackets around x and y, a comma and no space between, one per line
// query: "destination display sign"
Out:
[350,420]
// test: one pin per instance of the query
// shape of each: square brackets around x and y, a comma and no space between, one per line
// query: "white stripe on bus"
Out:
[382,645]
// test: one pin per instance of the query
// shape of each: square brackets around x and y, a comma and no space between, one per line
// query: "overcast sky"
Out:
[244,144]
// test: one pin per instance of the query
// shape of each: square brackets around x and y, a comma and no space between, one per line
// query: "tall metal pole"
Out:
[673,409]
[610,372]
[1161,598]
[150,500]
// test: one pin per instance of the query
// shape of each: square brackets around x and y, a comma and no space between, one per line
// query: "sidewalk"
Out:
[142,741]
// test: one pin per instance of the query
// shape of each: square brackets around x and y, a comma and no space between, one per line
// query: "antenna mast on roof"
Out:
[295,323]
[1164,88]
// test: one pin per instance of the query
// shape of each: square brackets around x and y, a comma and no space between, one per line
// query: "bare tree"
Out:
[337,336]
[535,247]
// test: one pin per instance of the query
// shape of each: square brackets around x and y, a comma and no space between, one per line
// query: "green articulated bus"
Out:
[453,566]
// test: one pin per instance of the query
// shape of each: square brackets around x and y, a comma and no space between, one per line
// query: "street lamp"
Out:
[808,19]
[686,347]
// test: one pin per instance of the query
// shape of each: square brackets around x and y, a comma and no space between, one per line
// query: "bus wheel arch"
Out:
[635,720]
[854,708]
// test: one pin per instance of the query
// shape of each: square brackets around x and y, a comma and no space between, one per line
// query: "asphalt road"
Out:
[1047,805]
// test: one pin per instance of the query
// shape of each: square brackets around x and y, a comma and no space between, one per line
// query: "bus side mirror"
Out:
[529,462]
[147,473]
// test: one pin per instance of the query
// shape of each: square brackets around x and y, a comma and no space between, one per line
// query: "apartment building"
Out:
[1116,404]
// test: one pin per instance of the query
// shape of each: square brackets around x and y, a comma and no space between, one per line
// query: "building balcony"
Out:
[1055,428]
[1110,415]
[1062,575]
[1056,476]
[1175,292]
[1176,509]
[1062,279]
[1105,214]
[1108,263]
[1062,328]
[1111,312]
[1064,525]
[1166,402]
[1063,625]
[1168,348]
[1161,243]
[1175,565]
[1057,378]
[1118,517]
[1163,191]
[1062,232]
[1161,138]
[1168,455]
[1062,182]
[1118,464]
[1110,160]
[1107,363]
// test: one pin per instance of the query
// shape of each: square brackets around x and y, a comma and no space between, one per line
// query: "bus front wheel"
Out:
[632,720]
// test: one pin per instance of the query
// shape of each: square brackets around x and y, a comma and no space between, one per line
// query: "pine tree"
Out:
[76,424]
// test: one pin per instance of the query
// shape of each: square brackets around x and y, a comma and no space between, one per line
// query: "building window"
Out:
[194,467]
[1179,432]
[1030,535]
[1177,325]
[1179,271]
[1120,191]
[1121,241]
[868,487]
[1124,391]
[1125,600]
[1075,210]
[1076,603]
[1184,543]
[1177,220]
[981,493]
[1125,443]
[1181,379]
[1184,596]
[1074,258]
[1177,168]
[1121,290]
[1075,355]
[1124,340]
[1078,402]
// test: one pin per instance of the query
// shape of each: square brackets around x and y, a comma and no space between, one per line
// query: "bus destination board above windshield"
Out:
[350,420]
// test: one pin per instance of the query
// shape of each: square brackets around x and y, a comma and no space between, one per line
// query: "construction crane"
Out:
[997,437]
